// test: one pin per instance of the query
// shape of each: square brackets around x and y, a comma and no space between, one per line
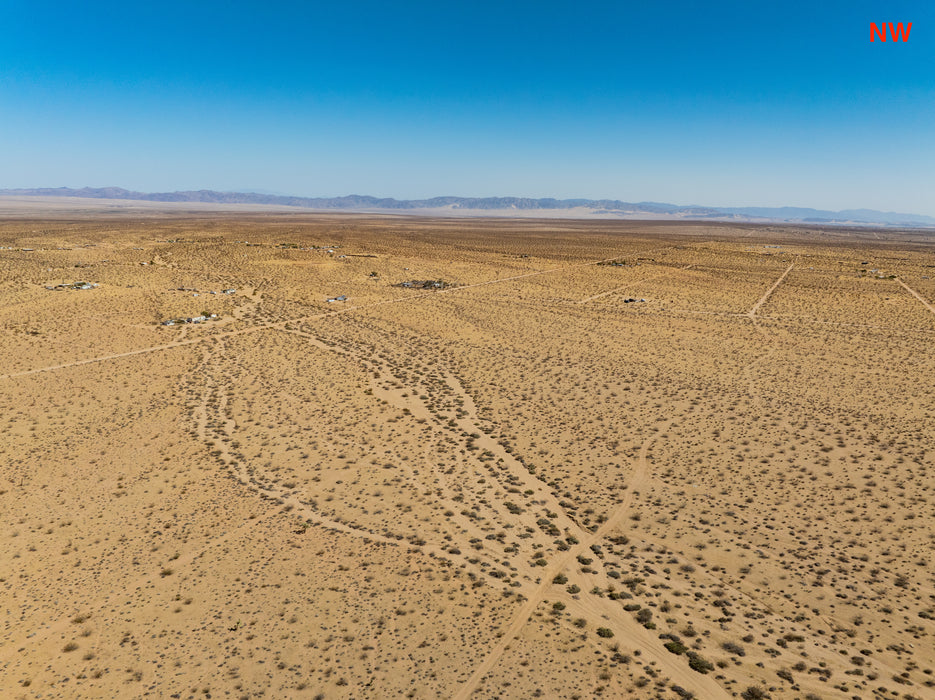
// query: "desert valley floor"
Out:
[523,459]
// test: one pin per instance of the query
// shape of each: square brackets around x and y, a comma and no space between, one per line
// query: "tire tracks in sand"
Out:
[539,580]
[651,647]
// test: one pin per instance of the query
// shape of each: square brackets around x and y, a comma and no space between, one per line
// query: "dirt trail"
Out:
[651,647]
[757,397]
[291,500]
[539,580]
[769,292]
[469,425]
[917,296]
[419,411]
[241,471]
[509,467]
[629,285]
[102,358]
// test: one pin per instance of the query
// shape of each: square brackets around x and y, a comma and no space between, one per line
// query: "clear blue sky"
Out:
[719,103]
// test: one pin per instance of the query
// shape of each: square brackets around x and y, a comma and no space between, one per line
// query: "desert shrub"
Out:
[604,632]
[696,662]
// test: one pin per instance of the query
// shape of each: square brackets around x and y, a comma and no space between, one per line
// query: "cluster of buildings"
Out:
[73,285]
[191,319]
[196,292]
[293,246]
[425,284]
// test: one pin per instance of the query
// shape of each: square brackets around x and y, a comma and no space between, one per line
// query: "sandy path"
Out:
[102,358]
[672,667]
[418,410]
[469,425]
[768,293]
[290,500]
[629,285]
[917,296]
[595,608]
[241,471]
[465,426]
[758,399]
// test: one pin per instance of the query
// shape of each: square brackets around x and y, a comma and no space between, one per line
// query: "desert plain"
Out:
[518,458]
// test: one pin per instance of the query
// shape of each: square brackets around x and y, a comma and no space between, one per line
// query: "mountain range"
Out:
[465,205]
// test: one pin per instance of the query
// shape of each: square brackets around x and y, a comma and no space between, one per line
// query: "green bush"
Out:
[696,662]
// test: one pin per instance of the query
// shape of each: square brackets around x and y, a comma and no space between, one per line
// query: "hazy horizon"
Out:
[249,191]
[729,105]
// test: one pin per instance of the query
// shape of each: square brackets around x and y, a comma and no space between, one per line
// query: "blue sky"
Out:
[725,104]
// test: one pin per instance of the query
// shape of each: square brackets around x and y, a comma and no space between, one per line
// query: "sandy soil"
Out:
[521,485]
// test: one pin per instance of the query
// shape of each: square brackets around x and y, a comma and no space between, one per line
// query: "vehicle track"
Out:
[762,300]
[629,285]
[291,500]
[917,295]
[649,645]
[405,398]
[538,580]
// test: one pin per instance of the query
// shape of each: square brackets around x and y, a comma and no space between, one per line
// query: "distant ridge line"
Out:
[466,204]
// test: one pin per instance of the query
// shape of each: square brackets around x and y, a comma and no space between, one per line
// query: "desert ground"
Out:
[566,459]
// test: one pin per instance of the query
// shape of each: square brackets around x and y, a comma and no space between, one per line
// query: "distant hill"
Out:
[466,205]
